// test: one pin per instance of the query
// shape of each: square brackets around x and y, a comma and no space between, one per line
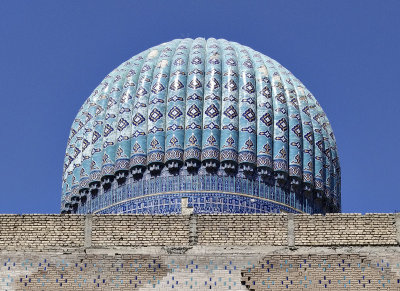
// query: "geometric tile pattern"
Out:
[209,89]
[201,272]
[317,272]
[207,194]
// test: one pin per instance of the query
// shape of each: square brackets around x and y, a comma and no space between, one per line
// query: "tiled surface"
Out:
[161,195]
[323,272]
[203,101]
[200,272]
[202,203]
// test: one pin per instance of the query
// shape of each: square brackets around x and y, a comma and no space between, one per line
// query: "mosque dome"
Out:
[212,121]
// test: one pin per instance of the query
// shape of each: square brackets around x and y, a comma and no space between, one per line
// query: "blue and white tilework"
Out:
[203,108]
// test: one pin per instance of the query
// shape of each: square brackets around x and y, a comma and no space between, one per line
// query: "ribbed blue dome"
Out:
[202,108]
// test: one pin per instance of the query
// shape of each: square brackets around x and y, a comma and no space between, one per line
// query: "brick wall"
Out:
[41,232]
[140,230]
[317,272]
[76,252]
[61,232]
[202,270]
[235,229]
[345,229]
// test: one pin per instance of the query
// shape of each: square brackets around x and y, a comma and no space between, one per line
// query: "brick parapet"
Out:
[139,230]
[345,229]
[37,232]
[70,232]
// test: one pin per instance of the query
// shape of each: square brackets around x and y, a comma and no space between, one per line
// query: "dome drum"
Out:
[202,109]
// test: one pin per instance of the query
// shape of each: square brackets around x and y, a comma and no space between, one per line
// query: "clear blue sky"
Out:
[54,53]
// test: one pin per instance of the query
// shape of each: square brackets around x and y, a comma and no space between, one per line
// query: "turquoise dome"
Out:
[202,107]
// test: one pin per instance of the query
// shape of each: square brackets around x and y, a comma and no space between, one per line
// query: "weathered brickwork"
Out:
[37,232]
[345,229]
[140,230]
[59,232]
[200,252]
[242,229]
[321,272]
[198,271]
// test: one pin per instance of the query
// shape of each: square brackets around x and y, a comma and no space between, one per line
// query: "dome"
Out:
[209,120]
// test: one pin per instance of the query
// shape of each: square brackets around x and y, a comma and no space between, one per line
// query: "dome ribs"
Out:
[203,108]
[87,144]
[229,110]
[98,132]
[73,171]
[295,144]
[281,124]
[212,107]
[76,166]
[70,155]
[194,105]
[319,146]
[140,104]
[265,118]
[175,113]
[247,142]
[330,158]
[156,119]
[308,138]
[124,119]
[110,127]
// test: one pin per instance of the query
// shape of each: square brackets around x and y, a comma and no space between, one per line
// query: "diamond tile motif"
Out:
[212,111]
[141,92]
[179,62]
[137,119]
[230,112]
[175,112]
[231,85]
[155,115]
[213,84]
[267,119]
[157,88]
[176,85]
[174,127]
[249,88]
[192,140]
[231,62]
[122,123]
[196,61]
[107,130]
[249,115]
[211,126]
[146,98]
[193,111]
[281,98]
[297,130]
[175,99]
[193,126]
[309,137]
[282,124]
[194,97]
[266,92]
[195,84]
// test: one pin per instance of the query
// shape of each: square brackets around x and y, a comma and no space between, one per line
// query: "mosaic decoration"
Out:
[206,193]
[201,272]
[202,107]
